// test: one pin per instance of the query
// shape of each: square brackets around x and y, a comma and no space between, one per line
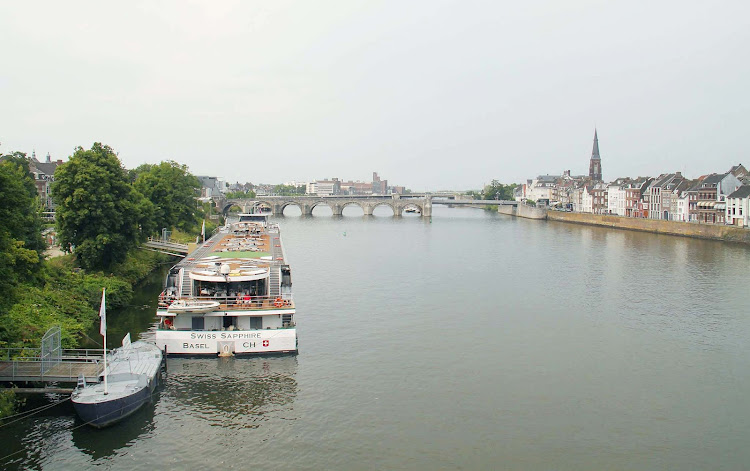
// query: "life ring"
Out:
[278,302]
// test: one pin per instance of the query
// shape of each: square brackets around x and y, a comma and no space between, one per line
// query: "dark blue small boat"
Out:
[132,375]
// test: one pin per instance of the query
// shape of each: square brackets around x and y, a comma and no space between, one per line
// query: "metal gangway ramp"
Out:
[50,363]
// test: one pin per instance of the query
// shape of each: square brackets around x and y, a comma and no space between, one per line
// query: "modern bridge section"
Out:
[475,202]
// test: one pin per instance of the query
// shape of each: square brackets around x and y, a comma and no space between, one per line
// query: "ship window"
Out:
[198,323]
[256,323]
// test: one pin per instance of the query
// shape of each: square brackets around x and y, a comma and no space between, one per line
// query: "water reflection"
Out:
[104,443]
[231,392]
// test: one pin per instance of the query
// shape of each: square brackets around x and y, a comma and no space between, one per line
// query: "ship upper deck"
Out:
[240,249]
[239,252]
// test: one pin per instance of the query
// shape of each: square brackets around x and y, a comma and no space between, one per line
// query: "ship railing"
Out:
[242,302]
[238,302]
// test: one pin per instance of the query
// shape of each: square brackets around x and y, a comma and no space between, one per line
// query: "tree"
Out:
[240,194]
[497,191]
[100,216]
[171,188]
[288,190]
[20,211]
[21,242]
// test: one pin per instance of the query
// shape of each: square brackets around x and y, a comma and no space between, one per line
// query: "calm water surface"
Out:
[477,341]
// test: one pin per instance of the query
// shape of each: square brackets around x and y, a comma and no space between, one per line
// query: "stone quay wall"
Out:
[685,229]
[523,211]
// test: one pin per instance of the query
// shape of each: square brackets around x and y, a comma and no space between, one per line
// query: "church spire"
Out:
[595,151]
[595,164]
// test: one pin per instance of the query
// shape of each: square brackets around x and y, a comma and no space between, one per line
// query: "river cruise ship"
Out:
[232,295]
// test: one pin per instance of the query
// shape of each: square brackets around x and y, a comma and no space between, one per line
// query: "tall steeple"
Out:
[595,164]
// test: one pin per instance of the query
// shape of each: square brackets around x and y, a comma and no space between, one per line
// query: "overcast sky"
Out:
[430,94]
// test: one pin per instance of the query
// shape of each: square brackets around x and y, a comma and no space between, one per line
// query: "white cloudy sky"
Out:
[431,94]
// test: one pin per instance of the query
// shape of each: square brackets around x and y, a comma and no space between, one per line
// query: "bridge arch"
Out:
[278,209]
[394,208]
[313,204]
[411,204]
[354,203]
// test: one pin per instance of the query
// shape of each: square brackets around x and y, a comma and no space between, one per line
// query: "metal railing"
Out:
[237,302]
[166,244]
[23,354]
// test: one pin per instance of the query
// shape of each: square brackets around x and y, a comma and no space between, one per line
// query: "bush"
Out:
[38,309]
[137,265]
[8,403]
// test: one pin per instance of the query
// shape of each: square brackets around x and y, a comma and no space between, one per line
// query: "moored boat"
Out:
[232,295]
[131,375]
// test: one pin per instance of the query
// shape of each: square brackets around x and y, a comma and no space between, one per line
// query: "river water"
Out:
[475,341]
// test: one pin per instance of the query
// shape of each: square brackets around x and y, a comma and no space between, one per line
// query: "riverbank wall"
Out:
[523,211]
[684,229]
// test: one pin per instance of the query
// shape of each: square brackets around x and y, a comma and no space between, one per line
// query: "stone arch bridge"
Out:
[336,203]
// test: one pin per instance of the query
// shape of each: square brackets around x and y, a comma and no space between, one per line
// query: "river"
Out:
[474,341]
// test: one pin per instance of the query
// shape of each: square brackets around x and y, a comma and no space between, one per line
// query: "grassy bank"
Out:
[70,297]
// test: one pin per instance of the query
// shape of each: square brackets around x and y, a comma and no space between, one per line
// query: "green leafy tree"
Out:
[21,243]
[20,211]
[171,188]
[497,191]
[288,190]
[100,216]
[240,194]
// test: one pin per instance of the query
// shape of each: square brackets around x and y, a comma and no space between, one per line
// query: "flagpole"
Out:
[103,331]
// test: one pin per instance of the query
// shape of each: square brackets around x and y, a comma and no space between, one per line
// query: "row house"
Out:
[663,194]
[616,197]
[738,207]
[624,194]
[599,198]
[707,198]
[590,198]
[634,197]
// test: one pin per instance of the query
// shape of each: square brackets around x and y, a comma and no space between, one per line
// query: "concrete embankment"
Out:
[685,229]
[523,211]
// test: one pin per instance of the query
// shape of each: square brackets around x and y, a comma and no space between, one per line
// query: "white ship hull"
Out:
[238,341]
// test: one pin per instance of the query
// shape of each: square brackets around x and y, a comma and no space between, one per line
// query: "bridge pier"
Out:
[337,209]
[306,210]
[398,210]
[427,208]
[367,208]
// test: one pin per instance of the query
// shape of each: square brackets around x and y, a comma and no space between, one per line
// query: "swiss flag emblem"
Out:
[265,343]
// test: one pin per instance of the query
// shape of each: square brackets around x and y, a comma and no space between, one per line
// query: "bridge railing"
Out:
[166,244]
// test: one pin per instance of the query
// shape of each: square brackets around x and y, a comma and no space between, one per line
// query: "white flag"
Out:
[103,314]
[203,230]
[126,340]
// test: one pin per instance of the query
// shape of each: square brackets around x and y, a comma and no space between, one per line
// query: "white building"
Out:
[543,187]
[587,200]
[683,207]
[738,207]
[616,199]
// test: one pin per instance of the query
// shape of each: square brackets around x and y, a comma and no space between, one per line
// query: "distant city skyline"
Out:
[441,95]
